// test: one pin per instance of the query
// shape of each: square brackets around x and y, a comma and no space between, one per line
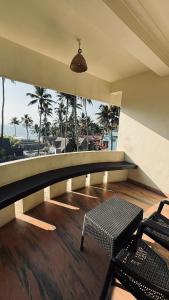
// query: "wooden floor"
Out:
[40,264]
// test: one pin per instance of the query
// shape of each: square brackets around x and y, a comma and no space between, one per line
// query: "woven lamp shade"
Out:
[78,63]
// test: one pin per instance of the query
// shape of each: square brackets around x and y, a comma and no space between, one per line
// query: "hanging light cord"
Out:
[79,42]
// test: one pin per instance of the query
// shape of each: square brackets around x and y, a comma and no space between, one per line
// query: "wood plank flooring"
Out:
[41,264]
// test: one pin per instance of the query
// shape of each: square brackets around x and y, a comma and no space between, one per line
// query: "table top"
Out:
[114,216]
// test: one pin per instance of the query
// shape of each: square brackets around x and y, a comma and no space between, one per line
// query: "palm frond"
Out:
[39,90]
[47,95]
[33,102]
[15,121]
[32,95]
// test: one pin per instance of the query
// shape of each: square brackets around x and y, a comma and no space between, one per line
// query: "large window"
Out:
[38,121]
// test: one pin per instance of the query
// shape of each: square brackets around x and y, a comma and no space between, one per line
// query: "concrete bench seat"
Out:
[17,190]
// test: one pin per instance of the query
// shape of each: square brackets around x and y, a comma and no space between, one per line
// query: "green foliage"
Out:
[14,142]
[8,147]
[108,117]
[71,119]
[45,102]
[27,122]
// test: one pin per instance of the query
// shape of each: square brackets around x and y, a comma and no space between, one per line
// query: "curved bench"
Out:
[17,190]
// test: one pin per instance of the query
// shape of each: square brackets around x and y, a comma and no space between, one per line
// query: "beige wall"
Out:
[144,127]
[20,63]
[57,189]
[97,178]
[27,167]
[32,200]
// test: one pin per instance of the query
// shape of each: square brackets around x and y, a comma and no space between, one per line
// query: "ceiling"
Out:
[120,38]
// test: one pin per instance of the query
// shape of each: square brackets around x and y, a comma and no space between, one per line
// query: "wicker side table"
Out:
[112,223]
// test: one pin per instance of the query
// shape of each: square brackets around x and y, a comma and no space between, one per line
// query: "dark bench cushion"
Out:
[17,190]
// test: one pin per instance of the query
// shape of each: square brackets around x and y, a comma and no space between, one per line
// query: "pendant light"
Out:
[78,63]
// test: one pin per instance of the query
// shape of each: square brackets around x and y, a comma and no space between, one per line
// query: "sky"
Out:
[16,105]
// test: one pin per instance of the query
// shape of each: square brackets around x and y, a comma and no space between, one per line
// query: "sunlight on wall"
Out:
[148,149]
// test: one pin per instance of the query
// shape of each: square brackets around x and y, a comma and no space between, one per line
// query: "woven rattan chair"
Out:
[157,226]
[141,271]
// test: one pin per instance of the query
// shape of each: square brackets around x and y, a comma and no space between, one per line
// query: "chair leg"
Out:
[113,280]
[109,278]
[82,238]
[81,244]
[140,230]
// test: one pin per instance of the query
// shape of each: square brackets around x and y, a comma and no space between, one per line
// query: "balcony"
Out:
[126,48]
[40,256]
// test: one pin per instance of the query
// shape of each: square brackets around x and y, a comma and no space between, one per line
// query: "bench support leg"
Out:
[58,189]
[7,214]
[32,200]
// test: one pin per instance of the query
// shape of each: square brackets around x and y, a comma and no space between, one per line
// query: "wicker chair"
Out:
[141,271]
[156,226]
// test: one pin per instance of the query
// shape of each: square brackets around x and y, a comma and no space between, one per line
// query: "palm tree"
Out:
[71,102]
[47,112]
[61,111]
[61,98]
[40,97]
[46,130]
[54,129]
[27,122]
[74,106]
[3,106]
[114,112]
[109,119]
[82,123]
[14,122]
[35,129]
[85,101]
[103,117]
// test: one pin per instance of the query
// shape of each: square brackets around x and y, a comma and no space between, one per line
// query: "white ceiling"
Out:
[120,38]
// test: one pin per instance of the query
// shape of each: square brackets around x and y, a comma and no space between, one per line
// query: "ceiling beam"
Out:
[143,43]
